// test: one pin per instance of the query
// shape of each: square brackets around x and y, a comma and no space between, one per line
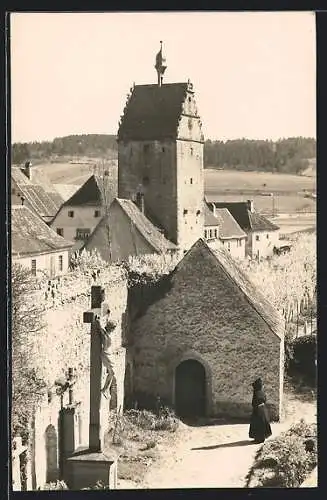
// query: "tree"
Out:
[27,386]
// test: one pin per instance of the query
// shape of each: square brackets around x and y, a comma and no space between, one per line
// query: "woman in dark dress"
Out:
[259,427]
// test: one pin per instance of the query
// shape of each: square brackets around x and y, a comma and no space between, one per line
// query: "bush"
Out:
[286,461]
[144,419]
[56,485]
[302,354]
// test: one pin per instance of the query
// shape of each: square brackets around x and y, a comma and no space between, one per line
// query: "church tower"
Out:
[160,156]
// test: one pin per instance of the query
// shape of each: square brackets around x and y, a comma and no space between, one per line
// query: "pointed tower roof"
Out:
[160,65]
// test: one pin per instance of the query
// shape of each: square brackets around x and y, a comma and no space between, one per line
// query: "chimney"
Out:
[250,205]
[213,209]
[27,170]
[140,201]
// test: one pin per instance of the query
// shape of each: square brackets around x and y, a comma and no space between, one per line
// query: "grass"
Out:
[141,434]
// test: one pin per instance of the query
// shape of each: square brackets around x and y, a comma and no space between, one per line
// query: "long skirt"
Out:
[259,426]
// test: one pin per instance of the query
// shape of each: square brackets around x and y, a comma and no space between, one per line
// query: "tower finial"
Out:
[160,65]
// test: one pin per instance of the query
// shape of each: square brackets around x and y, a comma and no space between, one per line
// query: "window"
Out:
[60,231]
[239,243]
[210,233]
[146,181]
[61,263]
[267,236]
[206,234]
[96,213]
[185,211]
[146,148]
[257,238]
[191,180]
[163,150]
[189,99]
[71,213]
[216,233]
[191,151]
[33,267]
[228,246]
[82,234]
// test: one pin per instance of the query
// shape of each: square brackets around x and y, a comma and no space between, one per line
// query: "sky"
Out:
[254,73]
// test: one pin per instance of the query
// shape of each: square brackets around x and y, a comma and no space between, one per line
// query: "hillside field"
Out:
[291,192]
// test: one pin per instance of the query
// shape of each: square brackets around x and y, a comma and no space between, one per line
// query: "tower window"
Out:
[191,180]
[145,181]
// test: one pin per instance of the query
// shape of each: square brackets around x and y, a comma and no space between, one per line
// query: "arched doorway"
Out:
[190,389]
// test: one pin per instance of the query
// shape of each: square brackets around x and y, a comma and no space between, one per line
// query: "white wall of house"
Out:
[54,263]
[236,247]
[263,242]
[84,218]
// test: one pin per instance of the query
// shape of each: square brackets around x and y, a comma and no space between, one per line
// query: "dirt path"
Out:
[212,456]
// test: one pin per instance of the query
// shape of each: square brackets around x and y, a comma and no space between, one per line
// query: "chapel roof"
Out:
[222,262]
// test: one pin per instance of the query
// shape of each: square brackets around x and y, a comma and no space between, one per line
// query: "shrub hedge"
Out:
[286,461]
[302,356]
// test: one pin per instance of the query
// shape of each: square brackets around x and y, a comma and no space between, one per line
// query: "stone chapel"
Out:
[160,156]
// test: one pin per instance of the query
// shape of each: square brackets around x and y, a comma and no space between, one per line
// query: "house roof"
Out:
[95,191]
[209,218]
[153,112]
[31,235]
[150,233]
[228,227]
[249,221]
[39,193]
[226,264]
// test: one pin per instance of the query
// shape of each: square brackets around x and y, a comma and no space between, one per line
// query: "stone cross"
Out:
[98,310]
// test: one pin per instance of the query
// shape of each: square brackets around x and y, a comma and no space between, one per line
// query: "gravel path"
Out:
[212,456]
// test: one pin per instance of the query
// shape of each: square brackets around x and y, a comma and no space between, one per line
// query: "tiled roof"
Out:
[66,191]
[209,218]
[140,223]
[228,227]
[249,221]
[40,195]
[153,112]
[92,190]
[226,264]
[30,235]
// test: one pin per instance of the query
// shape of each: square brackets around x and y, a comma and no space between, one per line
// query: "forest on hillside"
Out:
[285,155]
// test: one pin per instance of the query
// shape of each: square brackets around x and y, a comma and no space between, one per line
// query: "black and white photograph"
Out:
[163,285]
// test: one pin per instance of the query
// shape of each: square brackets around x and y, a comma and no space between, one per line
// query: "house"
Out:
[125,232]
[33,189]
[211,226]
[160,154]
[204,338]
[81,213]
[35,245]
[262,235]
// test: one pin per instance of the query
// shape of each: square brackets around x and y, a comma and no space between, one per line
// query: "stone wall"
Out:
[204,316]
[64,342]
